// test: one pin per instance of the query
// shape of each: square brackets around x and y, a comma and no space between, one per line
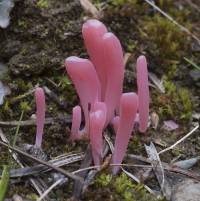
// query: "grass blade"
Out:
[4,182]
[192,63]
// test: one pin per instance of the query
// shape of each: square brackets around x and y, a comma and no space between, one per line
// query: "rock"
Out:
[5,8]
[4,91]
[187,190]
[17,198]
[195,75]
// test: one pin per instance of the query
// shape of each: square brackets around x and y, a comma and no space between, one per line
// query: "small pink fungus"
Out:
[97,122]
[40,115]
[143,93]
[127,113]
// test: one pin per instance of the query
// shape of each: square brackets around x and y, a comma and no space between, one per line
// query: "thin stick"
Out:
[32,122]
[64,172]
[13,100]
[173,21]
[138,181]
[193,5]
[54,97]
[179,141]
[17,129]
[50,189]
[121,165]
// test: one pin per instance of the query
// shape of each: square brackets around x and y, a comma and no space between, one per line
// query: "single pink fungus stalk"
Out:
[84,77]
[76,122]
[143,92]
[128,110]
[97,122]
[93,31]
[40,115]
[114,65]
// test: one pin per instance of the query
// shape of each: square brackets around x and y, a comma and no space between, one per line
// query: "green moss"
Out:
[24,105]
[131,46]
[175,103]
[6,106]
[23,85]
[43,4]
[130,191]
[170,87]
[22,24]
[135,145]
[167,42]
[185,99]
[123,183]
[104,180]
[66,85]
[32,196]
[121,188]
[164,35]
[180,15]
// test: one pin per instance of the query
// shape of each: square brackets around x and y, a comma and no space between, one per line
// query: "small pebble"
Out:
[187,190]
[17,198]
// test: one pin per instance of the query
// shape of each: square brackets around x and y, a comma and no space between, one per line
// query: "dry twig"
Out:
[194,6]
[50,189]
[54,97]
[32,122]
[179,141]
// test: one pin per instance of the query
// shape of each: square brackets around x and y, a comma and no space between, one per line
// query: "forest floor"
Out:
[42,33]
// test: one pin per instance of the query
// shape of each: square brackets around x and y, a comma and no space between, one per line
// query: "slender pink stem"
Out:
[76,122]
[143,92]
[40,115]
[97,122]
[114,65]
[93,31]
[128,110]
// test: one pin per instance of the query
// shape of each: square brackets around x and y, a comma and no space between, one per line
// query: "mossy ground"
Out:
[43,33]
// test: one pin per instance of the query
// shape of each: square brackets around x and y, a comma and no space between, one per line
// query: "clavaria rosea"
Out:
[99,83]
[40,115]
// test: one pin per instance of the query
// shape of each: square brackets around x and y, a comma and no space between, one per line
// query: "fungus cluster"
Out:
[99,82]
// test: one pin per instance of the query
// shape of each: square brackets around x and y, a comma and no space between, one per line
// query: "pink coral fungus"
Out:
[99,84]
[143,92]
[40,115]
[93,31]
[113,57]
[97,122]
[128,110]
